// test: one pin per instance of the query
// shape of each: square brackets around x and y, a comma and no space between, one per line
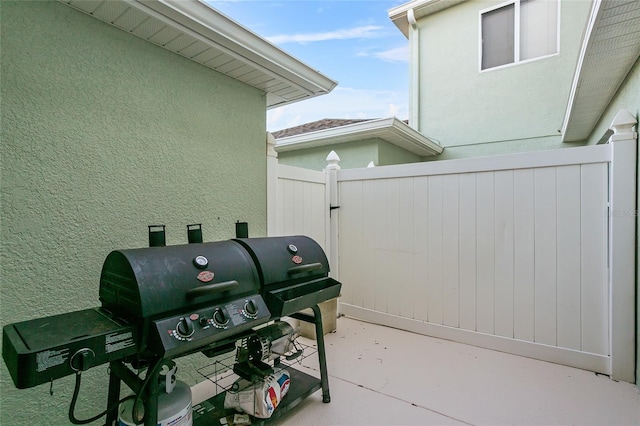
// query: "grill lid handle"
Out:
[211,288]
[304,268]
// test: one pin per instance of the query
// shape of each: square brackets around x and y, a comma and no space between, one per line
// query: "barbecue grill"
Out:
[164,302]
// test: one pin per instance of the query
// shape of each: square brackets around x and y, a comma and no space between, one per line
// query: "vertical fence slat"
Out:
[369,221]
[351,232]
[523,255]
[545,255]
[421,238]
[381,231]
[289,202]
[450,260]
[595,318]
[434,269]
[405,281]
[467,244]
[568,243]
[319,211]
[393,262]
[504,253]
[485,252]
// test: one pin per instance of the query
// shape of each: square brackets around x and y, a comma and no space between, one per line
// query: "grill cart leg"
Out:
[149,391]
[113,396]
[322,357]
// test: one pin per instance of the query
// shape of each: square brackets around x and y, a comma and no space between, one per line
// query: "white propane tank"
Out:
[174,408]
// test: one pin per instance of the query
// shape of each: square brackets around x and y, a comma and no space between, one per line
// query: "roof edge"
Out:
[586,40]
[412,140]
[250,46]
[421,8]
[208,26]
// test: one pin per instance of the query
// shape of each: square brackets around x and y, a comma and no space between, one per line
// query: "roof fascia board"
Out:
[421,8]
[369,129]
[238,40]
[595,11]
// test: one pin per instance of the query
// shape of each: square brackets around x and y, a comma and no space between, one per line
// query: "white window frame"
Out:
[516,31]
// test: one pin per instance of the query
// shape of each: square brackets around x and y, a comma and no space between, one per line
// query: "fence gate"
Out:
[531,254]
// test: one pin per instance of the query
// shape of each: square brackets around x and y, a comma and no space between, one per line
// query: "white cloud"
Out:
[368,31]
[399,54]
[341,103]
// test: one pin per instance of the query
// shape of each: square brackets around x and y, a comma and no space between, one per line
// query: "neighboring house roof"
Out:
[326,123]
[419,8]
[390,130]
[610,49]
[200,33]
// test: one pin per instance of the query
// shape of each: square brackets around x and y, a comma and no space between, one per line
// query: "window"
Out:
[518,31]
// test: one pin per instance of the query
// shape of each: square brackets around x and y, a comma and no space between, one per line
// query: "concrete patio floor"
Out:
[383,376]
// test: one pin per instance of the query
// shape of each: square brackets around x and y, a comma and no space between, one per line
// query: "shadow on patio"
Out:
[383,376]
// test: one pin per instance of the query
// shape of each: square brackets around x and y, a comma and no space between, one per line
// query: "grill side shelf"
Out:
[288,300]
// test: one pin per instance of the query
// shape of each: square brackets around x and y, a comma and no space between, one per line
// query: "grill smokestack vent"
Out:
[242,229]
[194,233]
[157,236]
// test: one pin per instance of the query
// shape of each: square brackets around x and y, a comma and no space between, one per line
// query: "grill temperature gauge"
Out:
[200,262]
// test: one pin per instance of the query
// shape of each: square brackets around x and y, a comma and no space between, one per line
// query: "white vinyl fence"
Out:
[532,254]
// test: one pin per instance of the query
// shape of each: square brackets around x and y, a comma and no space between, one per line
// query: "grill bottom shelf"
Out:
[209,412]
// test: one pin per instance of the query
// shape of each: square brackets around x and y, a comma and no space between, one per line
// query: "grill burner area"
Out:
[160,303]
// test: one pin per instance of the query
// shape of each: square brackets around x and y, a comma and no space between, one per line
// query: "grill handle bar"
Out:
[304,268]
[211,288]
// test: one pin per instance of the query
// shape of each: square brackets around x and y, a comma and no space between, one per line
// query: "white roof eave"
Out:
[610,50]
[390,130]
[421,8]
[245,56]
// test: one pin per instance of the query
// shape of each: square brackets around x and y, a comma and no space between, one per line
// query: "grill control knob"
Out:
[219,318]
[185,327]
[250,309]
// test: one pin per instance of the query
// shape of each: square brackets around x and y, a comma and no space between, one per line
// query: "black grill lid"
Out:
[286,259]
[151,281]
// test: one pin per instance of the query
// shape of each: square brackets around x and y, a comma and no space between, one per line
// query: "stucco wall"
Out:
[515,108]
[389,154]
[352,155]
[102,135]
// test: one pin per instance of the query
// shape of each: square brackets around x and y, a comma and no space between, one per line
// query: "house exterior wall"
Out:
[389,154]
[474,113]
[352,155]
[102,135]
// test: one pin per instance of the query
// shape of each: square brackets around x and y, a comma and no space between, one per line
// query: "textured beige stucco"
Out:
[102,135]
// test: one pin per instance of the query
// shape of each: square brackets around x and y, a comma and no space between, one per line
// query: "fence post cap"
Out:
[271,145]
[333,160]
[622,126]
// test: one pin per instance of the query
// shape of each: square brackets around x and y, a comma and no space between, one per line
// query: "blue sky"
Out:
[353,42]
